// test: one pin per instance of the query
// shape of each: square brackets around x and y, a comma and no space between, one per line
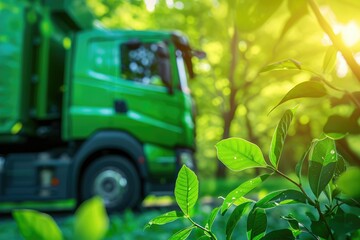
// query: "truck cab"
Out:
[90,111]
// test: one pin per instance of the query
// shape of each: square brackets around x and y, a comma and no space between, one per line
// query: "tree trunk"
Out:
[251,136]
[229,114]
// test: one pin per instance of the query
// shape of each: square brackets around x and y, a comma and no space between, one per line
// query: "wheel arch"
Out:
[107,143]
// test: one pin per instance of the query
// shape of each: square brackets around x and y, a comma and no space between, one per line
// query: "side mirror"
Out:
[199,54]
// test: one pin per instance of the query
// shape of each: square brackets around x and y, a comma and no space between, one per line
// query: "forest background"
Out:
[233,96]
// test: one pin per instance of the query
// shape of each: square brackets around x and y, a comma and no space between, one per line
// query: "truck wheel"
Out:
[115,180]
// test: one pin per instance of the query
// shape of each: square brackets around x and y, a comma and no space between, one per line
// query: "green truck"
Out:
[87,111]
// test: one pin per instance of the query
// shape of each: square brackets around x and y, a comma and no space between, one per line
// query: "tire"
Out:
[115,180]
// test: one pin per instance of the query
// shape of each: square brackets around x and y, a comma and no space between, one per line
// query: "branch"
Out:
[339,45]
[313,203]
[212,236]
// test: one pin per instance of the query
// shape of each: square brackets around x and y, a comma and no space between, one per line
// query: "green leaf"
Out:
[309,89]
[256,224]
[281,197]
[348,182]
[331,190]
[299,165]
[320,176]
[204,236]
[340,167]
[322,164]
[165,218]
[91,220]
[288,64]
[298,9]
[283,234]
[353,202]
[235,218]
[278,139]
[294,224]
[329,59]
[345,223]
[338,126]
[182,234]
[212,217]
[186,189]
[346,99]
[319,228]
[34,225]
[241,190]
[238,154]
[252,14]
[241,200]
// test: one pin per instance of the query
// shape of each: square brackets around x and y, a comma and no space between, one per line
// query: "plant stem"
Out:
[354,99]
[295,183]
[322,217]
[313,203]
[213,237]
[311,233]
[339,45]
[349,94]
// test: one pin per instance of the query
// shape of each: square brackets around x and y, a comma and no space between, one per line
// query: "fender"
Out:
[103,140]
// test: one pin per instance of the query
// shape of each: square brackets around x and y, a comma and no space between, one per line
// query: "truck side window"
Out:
[140,63]
[103,57]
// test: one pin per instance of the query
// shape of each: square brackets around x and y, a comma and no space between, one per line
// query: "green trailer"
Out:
[86,111]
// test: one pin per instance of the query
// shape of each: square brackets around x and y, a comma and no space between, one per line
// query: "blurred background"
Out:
[233,96]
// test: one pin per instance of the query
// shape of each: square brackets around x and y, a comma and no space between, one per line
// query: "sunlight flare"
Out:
[350,33]
[150,5]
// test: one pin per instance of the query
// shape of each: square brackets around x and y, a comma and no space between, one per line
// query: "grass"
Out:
[130,225]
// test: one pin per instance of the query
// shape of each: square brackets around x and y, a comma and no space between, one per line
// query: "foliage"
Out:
[129,225]
[327,175]
[236,87]
[325,165]
[34,225]
[91,222]
[241,38]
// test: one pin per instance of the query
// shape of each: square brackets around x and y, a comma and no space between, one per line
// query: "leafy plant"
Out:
[325,165]
[330,191]
[91,222]
[35,225]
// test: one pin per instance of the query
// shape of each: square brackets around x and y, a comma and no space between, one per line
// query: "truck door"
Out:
[146,102]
